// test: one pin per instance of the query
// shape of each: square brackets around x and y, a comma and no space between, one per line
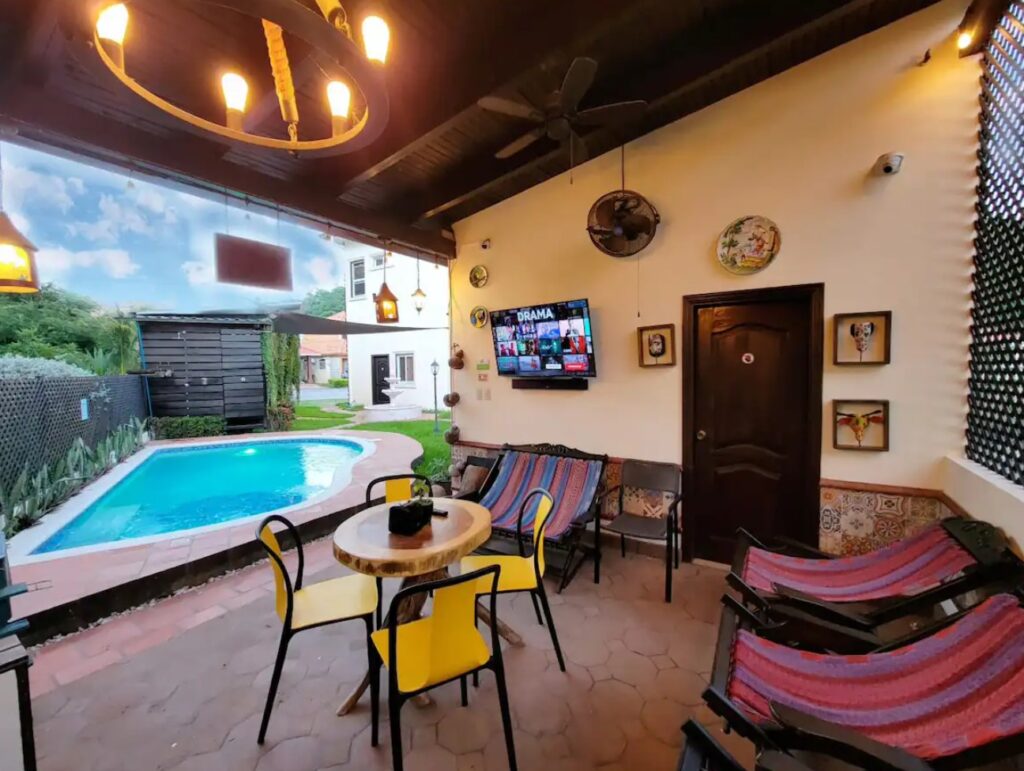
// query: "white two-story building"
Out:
[405,355]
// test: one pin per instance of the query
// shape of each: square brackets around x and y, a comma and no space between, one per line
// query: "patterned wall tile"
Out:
[859,521]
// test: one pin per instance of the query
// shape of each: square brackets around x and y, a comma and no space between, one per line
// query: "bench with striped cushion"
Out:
[573,484]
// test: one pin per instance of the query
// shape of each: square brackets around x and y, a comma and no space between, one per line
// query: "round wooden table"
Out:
[363,543]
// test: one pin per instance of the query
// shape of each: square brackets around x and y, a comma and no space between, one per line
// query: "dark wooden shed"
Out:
[205,365]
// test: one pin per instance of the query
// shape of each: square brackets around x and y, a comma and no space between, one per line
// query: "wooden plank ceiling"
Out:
[434,164]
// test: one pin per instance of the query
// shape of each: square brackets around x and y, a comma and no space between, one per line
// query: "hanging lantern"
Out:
[386,304]
[17,260]
[419,297]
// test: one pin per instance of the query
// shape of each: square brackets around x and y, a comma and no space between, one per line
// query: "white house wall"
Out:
[427,345]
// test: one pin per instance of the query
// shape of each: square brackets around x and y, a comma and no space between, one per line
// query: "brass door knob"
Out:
[701,435]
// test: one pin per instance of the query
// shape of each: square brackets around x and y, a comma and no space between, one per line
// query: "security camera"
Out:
[889,164]
[485,244]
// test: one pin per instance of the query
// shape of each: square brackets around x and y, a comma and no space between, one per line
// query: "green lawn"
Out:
[437,454]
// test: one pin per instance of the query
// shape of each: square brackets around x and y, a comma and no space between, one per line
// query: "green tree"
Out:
[324,302]
[57,324]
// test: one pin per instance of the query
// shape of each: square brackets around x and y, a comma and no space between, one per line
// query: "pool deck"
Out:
[66,579]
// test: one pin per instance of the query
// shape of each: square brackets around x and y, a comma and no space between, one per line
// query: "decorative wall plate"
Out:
[478,276]
[478,317]
[749,245]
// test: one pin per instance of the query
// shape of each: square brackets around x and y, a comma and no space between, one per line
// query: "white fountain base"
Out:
[380,413]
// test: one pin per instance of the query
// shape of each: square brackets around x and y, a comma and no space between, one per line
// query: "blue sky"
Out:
[130,243]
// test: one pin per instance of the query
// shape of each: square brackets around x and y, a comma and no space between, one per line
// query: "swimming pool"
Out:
[185,488]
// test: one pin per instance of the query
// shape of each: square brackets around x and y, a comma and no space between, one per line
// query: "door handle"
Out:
[701,435]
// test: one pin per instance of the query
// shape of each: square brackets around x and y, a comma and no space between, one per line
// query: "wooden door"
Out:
[753,438]
[381,369]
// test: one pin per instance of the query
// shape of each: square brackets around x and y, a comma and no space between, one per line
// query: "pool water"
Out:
[185,488]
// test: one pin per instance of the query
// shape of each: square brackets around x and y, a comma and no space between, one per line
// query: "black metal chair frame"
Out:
[396,697]
[646,472]
[796,730]
[702,752]
[287,633]
[369,502]
[857,626]
[570,543]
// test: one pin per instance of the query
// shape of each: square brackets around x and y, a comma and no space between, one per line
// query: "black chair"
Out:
[659,477]
[441,648]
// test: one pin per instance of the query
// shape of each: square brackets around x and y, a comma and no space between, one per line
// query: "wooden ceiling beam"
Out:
[188,159]
[686,67]
[484,64]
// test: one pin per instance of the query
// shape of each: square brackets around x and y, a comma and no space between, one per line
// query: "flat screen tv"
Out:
[550,340]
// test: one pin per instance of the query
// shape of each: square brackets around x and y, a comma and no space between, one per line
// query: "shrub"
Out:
[188,427]
[25,367]
[338,382]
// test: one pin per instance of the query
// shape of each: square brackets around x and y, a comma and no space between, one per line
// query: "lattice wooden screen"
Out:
[995,424]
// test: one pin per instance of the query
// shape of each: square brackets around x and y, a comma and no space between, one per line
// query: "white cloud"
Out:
[114,219]
[23,186]
[199,272]
[149,198]
[57,261]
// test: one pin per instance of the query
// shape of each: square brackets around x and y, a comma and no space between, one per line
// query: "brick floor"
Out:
[180,684]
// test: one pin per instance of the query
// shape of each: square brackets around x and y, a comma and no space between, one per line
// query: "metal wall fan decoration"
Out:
[622,222]
[560,117]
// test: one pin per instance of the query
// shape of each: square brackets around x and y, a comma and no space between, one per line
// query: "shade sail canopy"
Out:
[302,324]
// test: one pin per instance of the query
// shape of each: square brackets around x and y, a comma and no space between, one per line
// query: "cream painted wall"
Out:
[798,148]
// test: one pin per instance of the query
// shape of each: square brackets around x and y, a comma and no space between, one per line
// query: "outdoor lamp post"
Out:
[434,369]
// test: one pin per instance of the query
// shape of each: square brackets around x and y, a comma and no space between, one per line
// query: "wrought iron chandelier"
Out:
[331,39]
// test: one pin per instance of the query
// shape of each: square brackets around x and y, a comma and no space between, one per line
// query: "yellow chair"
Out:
[302,608]
[397,487]
[522,573]
[441,648]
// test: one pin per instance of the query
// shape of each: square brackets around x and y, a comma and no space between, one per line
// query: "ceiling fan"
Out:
[560,117]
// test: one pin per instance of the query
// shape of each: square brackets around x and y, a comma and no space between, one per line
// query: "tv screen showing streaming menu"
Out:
[550,340]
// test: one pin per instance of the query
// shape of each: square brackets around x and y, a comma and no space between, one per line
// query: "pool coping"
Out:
[20,548]
[79,590]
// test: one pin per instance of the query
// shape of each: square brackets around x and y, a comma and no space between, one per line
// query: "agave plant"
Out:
[32,495]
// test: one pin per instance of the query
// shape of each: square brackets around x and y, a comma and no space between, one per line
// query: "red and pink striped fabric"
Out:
[572,483]
[905,568]
[960,688]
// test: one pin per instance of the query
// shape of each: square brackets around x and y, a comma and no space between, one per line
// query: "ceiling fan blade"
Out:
[511,107]
[576,83]
[522,143]
[606,115]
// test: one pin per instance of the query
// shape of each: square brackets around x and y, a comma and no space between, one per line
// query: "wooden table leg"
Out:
[410,609]
[508,633]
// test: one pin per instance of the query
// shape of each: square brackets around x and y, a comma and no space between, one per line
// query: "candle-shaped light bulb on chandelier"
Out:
[376,37]
[339,98]
[236,94]
[111,27]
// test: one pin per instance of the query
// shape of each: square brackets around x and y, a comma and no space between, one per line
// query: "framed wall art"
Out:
[657,345]
[862,338]
[860,424]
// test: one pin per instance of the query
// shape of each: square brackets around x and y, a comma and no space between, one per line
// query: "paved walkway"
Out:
[313,393]
[180,685]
